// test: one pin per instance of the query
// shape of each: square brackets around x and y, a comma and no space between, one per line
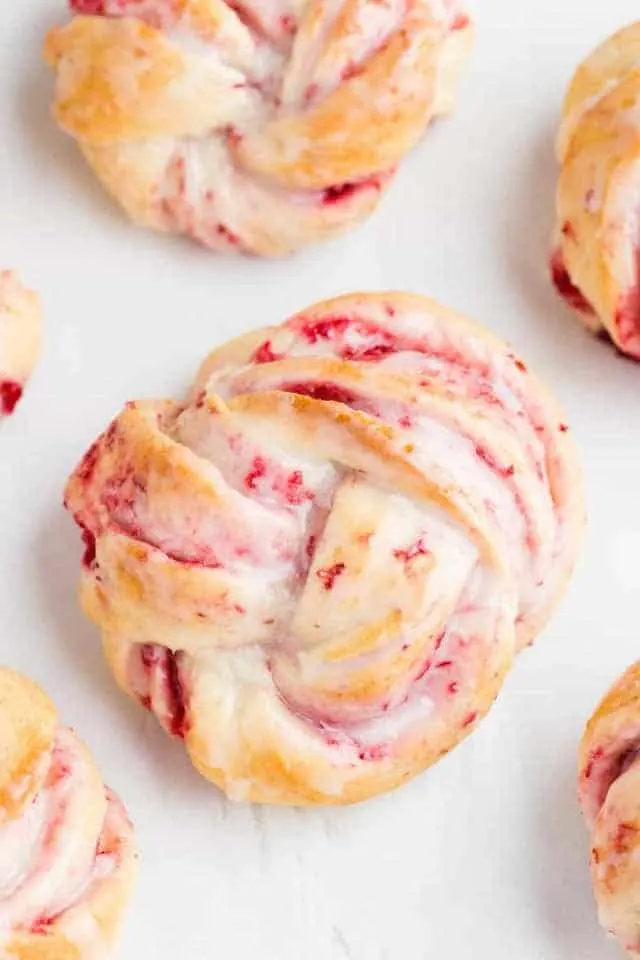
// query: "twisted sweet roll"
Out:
[20,335]
[596,260]
[67,860]
[249,126]
[318,568]
[610,800]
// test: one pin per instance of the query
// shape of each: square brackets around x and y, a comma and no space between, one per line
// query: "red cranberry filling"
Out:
[226,234]
[321,391]
[601,771]
[376,751]
[460,22]
[565,287]
[325,328]
[417,549]
[157,660]
[95,8]
[346,191]
[10,394]
[89,556]
[293,489]
[627,317]
[335,328]
[487,457]
[374,352]
[176,691]
[265,354]
[329,575]
[42,923]
[257,471]
[90,460]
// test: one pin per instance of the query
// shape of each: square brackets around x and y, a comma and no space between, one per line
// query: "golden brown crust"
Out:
[248,135]
[596,261]
[308,152]
[100,108]
[317,571]
[28,722]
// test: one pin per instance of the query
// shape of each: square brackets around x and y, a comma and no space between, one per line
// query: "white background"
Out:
[485,855]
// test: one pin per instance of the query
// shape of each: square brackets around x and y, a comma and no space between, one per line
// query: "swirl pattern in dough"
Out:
[317,570]
[252,126]
[596,260]
[20,335]
[67,860]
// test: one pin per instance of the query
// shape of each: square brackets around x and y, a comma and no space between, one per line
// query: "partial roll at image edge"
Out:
[595,262]
[609,793]
[67,853]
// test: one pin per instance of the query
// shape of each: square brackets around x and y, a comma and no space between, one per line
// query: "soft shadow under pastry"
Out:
[67,857]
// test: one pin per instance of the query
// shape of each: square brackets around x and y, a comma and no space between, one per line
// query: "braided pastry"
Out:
[596,261]
[20,333]
[250,126]
[610,800]
[67,861]
[317,570]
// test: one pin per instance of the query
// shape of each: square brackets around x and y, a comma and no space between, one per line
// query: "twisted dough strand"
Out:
[252,126]
[318,569]
[596,261]
[67,860]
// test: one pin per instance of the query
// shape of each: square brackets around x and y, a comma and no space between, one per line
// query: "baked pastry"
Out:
[610,800]
[596,260]
[66,845]
[318,568]
[20,334]
[248,126]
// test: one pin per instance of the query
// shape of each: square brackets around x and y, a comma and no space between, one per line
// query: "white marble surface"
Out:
[486,854]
